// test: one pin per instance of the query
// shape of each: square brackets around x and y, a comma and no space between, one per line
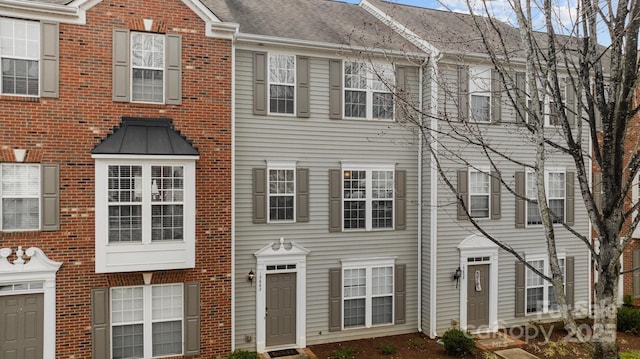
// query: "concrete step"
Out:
[514,353]
[302,354]
[497,341]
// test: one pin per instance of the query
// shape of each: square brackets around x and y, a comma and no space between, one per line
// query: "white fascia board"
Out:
[246,40]
[214,27]
[401,29]
[73,13]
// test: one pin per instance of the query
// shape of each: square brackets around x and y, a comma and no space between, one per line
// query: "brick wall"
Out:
[64,130]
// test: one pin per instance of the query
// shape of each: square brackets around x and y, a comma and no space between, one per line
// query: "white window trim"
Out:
[368,264]
[368,90]
[147,321]
[476,88]
[163,69]
[487,172]
[369,198]
[294,84]
[38,59]
[289,165]
[144,256]
[547,171]
[38,196]
[546,286]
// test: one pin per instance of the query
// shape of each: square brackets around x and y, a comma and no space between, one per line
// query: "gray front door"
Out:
[21,326]
[478,296]
[281,309]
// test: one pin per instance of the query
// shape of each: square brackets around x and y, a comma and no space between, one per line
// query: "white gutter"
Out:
[315,45]
[433,144]
[72,13]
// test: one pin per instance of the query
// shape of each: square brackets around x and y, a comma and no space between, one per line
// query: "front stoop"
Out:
[302,354]
[514,353]
[497,341]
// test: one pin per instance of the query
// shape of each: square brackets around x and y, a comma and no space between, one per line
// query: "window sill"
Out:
[19,98]
[133,257]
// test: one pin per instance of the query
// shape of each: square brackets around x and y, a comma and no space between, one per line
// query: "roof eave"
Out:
[72,13]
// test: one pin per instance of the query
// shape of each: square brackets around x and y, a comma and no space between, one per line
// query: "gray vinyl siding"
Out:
[318,144]
[451,231]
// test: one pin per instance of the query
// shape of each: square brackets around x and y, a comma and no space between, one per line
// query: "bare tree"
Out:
[564,75]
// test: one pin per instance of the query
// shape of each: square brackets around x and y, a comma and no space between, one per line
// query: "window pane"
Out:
[480,108]
[556,184]
[167,223]
[281,98]
[20,77]
[354,282]
[479,194]
[557,208]
[281,194]
[479,206]
[282,68]
[354,198]
[382,280]
[20,213]
[354,313]
[167,338]
[125,223]
[355,104]
[355,75]
[127,341]
[381,311]
[535,300]
[147,85]
[533,279]
[382,105]
[20,196]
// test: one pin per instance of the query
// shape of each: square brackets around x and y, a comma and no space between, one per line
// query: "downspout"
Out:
[434,194]
[420,146]
[233,192]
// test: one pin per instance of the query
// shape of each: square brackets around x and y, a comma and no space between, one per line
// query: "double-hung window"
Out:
[282,83]
[20,190]
[282,192]
[147,67]
[368,293]
[20,55]
[147,321]
[146,203]
[367,91]
[555,183]
[554,108]
[480,94]
[540,295]
[367,196]
[479,193]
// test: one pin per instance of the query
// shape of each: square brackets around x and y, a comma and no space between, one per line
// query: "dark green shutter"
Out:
[636,273]
[496,96]
[401,199]
[463,93]
[521,203]
[520,289]
[302,195]
[463,191]
[570,102]
[192,318]
[521,98]
[401,93]
[335,299]
[173,56]
[400,293]
[302,86]
[100,330]
[50,197]
[49,55]
[570,212]
[259,196]
[570,281]
[597,190]
[335,89]
[121,78]
[335,200]
[260,83]
[496,210]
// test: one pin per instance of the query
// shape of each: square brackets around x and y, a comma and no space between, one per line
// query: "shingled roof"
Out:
[314,21]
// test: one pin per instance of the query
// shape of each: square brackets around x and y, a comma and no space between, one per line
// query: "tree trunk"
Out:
[605,316]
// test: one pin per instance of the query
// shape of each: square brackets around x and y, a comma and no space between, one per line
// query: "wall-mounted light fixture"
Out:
[251,276]
[457,275]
